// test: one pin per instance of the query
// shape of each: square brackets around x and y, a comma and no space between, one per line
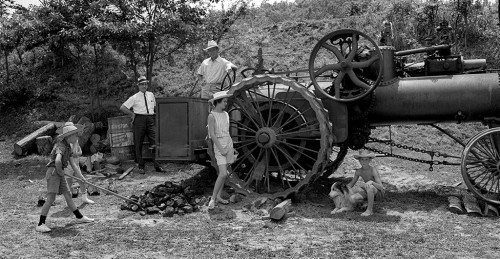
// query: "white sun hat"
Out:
[220,95]
[211,44]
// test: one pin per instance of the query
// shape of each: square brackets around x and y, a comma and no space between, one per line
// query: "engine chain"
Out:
[432,154]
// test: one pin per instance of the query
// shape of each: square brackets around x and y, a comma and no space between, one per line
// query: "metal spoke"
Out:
[335,51]
[295,147]
[366,63]
[290,159]
[295,133]
[483,149]
[301,114]
[281,112]
[305,124]
[251,171]
[256,106]
[354,48]
[245,127]
[282,172]
[249,115]
[337,82]
[245,156]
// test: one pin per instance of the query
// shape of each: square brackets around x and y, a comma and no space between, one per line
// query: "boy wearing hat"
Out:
[372,185]
[56,181]
[143,120]
[213,70]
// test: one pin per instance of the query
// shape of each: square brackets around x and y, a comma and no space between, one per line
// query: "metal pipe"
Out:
[421,50]
[103,189]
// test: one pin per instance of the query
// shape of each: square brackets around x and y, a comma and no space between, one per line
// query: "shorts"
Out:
[229,157]
[361,189]
[55,183]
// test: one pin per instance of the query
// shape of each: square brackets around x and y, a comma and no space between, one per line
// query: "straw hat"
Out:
[219,95]
[69,129]
[211,44]
[142,79]
[365,154]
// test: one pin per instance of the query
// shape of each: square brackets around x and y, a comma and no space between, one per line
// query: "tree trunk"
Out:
[25,145]
[44,145]
[6,68]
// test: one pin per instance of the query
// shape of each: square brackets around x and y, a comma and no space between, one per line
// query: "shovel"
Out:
[105,190]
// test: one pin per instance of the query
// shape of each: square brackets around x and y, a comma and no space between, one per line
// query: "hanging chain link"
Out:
[432,154]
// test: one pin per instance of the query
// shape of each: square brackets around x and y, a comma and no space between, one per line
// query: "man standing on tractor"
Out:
[213,70]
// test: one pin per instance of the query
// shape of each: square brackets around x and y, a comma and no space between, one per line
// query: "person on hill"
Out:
[218,131]
[56,182]
[372,185]
[213,70]
[141,107]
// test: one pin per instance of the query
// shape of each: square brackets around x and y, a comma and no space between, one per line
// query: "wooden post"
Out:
[24,145]
[280,211]
[44,145]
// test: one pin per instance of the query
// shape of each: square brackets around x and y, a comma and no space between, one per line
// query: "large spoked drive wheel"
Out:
[481,165]
[281,133]
[347,60]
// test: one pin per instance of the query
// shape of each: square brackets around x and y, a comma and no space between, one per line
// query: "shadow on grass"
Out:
[314,202]
[221,213]
[65,231]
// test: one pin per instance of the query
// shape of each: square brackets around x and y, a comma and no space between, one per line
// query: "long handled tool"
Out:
[105,190]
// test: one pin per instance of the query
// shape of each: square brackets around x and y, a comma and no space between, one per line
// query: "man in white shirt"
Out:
[213,70]
[141,107]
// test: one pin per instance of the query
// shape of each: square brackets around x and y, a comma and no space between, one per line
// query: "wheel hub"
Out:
[265,137]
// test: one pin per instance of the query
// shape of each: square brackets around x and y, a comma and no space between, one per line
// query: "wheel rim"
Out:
[334,56]
[281,133]
[481,165]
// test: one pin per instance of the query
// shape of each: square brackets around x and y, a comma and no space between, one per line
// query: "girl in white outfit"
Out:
[218,130]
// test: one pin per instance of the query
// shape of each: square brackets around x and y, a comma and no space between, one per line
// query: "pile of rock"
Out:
[166,199]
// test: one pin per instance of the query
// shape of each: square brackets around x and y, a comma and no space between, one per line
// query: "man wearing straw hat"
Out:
[372,185]
[60,157]
[213,70]
[141,107]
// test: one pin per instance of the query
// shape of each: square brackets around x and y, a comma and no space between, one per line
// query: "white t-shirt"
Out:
[138,105]
[214,71]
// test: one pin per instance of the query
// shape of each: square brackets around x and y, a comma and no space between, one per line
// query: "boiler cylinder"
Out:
[432,99]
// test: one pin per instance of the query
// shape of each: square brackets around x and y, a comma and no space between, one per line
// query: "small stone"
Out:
[134,208]
[187,209]
[168,212]
[142,213]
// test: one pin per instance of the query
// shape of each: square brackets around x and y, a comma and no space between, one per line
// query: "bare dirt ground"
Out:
[411,222]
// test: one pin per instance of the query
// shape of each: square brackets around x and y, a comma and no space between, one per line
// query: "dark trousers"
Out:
[144,125]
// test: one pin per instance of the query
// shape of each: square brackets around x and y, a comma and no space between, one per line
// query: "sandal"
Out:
[211,204]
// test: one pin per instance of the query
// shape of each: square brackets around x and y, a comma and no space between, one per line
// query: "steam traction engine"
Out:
[288,134]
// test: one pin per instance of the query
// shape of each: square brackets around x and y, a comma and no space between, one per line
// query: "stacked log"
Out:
[44,145]
[25,145]
[167,199]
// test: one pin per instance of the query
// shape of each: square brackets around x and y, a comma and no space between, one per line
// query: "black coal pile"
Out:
[167,199]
